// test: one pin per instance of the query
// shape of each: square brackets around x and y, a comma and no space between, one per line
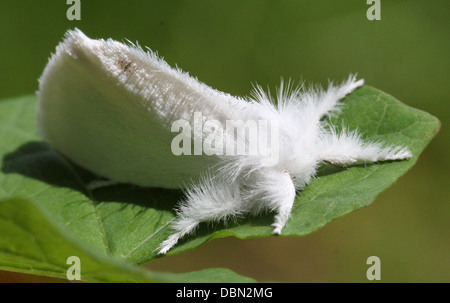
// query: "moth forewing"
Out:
[109,107]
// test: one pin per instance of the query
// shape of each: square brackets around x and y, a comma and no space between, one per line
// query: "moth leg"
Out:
[348,147]
[272,190]
[211,200]
[327,101]
[283,196]
[183,226]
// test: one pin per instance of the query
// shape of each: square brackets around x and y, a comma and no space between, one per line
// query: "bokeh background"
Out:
[232,44]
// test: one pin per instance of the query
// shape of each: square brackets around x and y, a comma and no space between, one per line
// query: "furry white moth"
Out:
[110,108]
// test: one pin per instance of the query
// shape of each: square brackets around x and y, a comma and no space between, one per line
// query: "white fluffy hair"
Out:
[243,186]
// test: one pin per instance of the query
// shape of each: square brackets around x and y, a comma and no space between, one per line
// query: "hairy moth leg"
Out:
[284,201]
[348,147]
[214,199]
[273,190]
[182,227]
[327,101]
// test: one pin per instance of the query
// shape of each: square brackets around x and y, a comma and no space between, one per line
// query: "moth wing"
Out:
[109,108]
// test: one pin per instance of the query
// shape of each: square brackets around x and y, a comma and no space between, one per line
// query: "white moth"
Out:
[111,108]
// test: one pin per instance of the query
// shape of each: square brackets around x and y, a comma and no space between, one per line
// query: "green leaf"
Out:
[128,223]
[30,243]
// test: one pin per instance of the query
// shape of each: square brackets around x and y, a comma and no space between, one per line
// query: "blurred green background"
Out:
[232,44]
